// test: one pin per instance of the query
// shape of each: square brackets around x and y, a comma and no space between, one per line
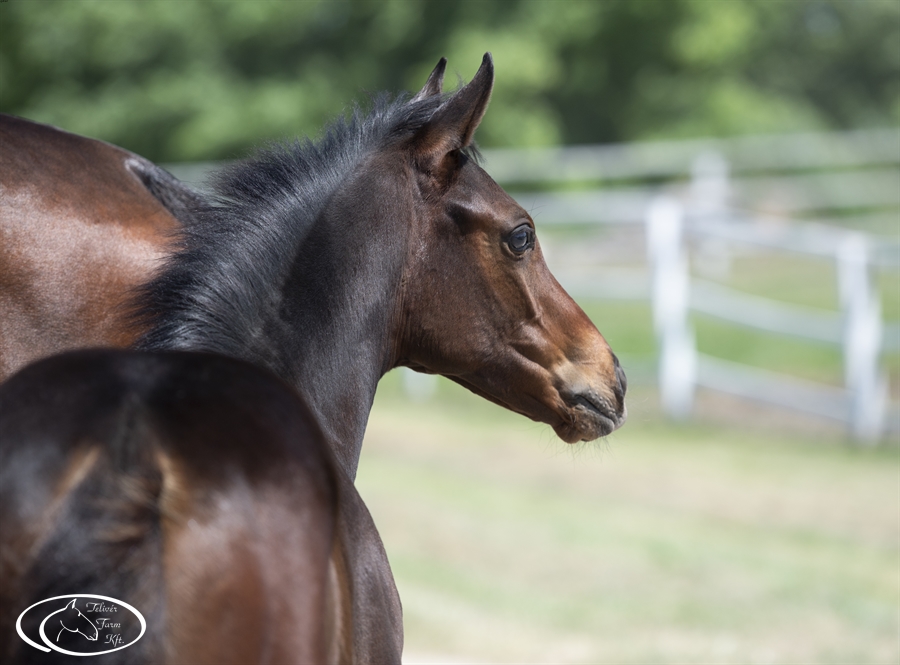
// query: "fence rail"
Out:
[861,148]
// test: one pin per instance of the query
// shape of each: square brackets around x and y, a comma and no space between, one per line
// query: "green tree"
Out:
[207,80]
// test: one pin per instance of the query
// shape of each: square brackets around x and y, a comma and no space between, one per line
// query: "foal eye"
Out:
[521,240]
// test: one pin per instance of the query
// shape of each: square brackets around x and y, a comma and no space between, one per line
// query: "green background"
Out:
[187,80]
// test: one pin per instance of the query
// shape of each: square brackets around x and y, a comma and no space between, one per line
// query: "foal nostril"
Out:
[621,383]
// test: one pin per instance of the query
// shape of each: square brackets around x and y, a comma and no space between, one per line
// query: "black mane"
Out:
[223,284]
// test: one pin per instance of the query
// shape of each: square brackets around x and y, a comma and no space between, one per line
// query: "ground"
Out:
[712,542]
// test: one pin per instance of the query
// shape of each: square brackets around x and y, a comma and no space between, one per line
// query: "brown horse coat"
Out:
[82,223]
[384,245]
[386,237]
[198,489]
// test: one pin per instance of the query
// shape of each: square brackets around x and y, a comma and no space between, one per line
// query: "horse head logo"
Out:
[122,630]
[72,620]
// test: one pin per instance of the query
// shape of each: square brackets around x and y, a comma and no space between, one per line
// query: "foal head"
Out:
[479,304]
[385,244]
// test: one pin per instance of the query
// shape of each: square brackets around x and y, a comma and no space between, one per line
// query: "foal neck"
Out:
[297,267]
[337,323]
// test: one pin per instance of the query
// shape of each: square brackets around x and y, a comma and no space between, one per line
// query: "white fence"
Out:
[702,201]
[858,328]
[732,195]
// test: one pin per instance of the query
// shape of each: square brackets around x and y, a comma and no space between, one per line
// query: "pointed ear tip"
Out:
[487,64]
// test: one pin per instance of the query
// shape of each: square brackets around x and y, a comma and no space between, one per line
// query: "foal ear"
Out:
[71,604]
[435,83]
[453,124]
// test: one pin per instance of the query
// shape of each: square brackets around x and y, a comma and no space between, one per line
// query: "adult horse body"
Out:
[198,489]
[82,223]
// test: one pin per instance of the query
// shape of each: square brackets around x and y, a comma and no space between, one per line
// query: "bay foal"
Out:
[382,245]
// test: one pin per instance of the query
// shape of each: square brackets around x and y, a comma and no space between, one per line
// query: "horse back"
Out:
[82,222]
[196,488]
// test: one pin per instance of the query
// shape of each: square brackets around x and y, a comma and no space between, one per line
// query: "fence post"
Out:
[671,301]
[710,188]
[709,196]
[863,331]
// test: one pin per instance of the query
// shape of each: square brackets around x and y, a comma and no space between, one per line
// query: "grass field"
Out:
[663,544]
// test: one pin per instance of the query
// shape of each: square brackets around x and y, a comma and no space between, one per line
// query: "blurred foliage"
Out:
[197,80]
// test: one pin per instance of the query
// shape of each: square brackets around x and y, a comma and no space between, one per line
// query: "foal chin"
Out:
[580,395]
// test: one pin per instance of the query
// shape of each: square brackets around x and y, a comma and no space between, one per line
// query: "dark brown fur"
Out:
[198,489]
[82,223]
[384,245]
[385,237]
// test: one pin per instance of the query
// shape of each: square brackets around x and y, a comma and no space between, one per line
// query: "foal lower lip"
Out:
[605,420]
